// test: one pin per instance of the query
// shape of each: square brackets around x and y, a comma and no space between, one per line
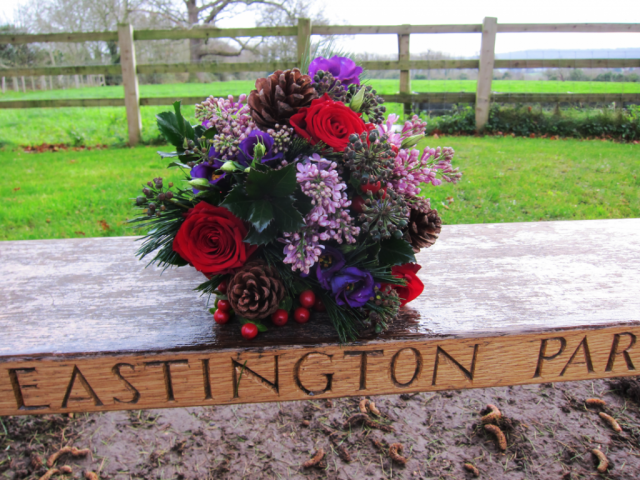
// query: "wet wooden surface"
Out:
[92,295]
[87,328]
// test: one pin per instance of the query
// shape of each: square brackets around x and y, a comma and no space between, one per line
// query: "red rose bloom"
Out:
[414,286]
[211,239]
[329,122]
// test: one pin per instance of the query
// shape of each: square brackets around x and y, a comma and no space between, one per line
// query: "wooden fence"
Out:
[303,31]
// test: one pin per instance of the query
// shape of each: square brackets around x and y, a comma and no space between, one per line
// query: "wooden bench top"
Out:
[86,327]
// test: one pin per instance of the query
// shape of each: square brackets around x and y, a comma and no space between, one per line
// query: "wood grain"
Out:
[88,317]
[130,83]
[485,73]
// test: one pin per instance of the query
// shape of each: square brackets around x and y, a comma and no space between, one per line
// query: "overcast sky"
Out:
[395,12]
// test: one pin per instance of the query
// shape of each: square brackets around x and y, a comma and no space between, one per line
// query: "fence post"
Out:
[405,75]
[3,85]
[485,73]
[130,82]
[304,39]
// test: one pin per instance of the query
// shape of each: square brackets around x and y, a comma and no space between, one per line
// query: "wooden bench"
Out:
[85,327]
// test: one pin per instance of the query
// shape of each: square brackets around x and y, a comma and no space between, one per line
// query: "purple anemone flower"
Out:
[245,154]
[208,171]
[353,287]
[342,68]
[329,263]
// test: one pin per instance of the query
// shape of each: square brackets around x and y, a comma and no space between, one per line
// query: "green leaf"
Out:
[168,154]
[261,215]
[274,183]
[238,203]
[210,132]
[286,304]
[261,238]
[261,327]
[395,251]
[303,202]
[178,164]
[287,218]
[168,126]
[212,310]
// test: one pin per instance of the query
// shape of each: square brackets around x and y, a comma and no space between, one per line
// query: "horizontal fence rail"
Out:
[486,64]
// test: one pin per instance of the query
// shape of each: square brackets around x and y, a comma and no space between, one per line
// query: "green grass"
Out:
[76,194]
[107,125]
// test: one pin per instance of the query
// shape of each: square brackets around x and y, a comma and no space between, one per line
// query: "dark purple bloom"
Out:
[245,155]
[208,171]
[342,68]
[353,287]
[329,263]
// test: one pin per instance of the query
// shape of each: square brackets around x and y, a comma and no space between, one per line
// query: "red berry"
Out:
[319,306]
[221,316]
[222,288]
[224,305]
[249,331]
[370,187]
[280,317]
[307,298]
[301,315]
[357,203]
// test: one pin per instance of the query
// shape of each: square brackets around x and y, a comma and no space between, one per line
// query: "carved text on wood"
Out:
[117,382]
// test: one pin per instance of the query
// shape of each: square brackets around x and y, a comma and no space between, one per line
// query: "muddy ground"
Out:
[550,433]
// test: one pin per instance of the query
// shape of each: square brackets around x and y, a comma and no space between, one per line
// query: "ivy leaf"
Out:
[273,183]
[303,202]
[261,238]
[287,218]
[184,127]
[395,251]
[168,126]
[238,203]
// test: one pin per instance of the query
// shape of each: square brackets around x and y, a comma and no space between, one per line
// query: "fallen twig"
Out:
[91,476]
[473,469]
[595,402]
[343,453]
[500,438]
[604,463]
[317,458]
[364,418]
[64,450]
[395,450]
[66,469]
[492,416]
[363,405]
[374,409]
[612,421]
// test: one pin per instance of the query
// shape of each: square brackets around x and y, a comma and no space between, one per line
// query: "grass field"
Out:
[87,193]
[107,125]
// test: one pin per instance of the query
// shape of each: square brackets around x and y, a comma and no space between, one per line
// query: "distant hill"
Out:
[571,54]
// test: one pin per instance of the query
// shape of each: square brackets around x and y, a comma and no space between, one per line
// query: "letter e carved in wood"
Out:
[134,391]
[17,388]
[625,353]
[296,375]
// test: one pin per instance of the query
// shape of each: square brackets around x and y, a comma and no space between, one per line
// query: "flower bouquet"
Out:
[300,197]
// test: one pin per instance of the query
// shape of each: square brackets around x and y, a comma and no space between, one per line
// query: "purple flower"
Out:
[245,155]
[353,287]
[207,170]
[329,263]
[342,68]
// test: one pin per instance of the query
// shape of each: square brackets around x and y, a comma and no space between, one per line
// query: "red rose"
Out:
[414,286]
[329,122]
[211,239]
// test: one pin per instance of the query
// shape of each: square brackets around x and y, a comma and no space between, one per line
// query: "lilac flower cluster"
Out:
[319,180]
[231,119]
[282,136]
[412,127]
[411,169]
[302,249]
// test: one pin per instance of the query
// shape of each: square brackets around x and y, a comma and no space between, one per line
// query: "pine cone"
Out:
[279,96]
[424,229]
[255,291]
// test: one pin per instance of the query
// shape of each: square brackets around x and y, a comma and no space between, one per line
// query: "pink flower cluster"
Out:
[411,169]
[302,250]
[231,119]
[412,127]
